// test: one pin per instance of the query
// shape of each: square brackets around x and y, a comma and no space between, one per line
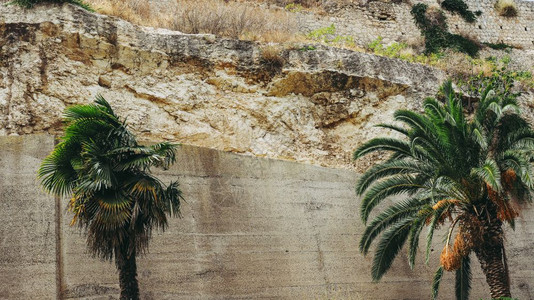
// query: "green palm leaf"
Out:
[389,246]
[393,214]
[383,144]
[435,282]
[394,128]
[388,187]
[394,167]
[463,279]
[489,173]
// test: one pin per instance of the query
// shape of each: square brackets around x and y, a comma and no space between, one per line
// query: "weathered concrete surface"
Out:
[27,222]
[251,228]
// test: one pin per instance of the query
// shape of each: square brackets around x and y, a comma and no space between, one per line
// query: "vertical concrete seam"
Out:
[59,250]
[59,244]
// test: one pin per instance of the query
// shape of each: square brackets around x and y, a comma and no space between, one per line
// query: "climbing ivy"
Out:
[437,35]
[459,7]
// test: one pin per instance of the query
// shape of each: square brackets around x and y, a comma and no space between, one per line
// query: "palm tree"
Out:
[467,170]
[100,165]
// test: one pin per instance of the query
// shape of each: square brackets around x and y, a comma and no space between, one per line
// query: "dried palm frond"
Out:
[462,245]
[492,194]
[505,211]
[508,177]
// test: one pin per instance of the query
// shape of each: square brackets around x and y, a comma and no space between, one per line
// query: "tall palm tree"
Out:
[100,165]
[465,170]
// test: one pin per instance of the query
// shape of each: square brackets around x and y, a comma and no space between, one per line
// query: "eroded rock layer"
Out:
[313,104]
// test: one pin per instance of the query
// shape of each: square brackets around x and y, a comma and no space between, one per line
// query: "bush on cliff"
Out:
[31,3]
[506,8]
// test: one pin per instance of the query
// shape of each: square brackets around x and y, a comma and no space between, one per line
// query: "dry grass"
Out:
[271,55]
[229,19]
[303,3]
[506,8]
[461,65]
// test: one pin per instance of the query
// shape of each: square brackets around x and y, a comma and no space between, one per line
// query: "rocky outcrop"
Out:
[312,104]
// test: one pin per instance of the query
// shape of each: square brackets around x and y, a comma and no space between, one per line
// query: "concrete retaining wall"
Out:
[251,228]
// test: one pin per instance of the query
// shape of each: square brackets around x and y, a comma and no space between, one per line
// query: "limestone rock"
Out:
[314,106]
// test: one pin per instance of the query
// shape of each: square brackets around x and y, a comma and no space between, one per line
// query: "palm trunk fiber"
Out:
[490,255]
[128,276]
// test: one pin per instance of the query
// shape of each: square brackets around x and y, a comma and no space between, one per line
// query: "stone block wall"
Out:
[368,20]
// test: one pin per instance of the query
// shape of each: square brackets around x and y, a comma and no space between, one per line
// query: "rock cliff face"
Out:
[313,104]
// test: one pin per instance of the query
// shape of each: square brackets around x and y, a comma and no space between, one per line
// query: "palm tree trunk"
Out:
[491,261]
[490,255]
[127,275]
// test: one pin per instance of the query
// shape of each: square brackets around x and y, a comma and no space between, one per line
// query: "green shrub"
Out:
[402,51]
[328,36]
[459,7]
[31,3]
[433,26]
[323,33]
[393,50]
[500,76]
[499,46]
[294,8]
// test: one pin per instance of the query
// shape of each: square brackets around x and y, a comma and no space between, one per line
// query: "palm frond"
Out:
[394,128]
[434,109]
[389,246]
[463,279]
[489,173]
[448,187]
[173,198]
[436,281]
[143,157]
[388,187]
[413,238]
[383,144]
[415,121]
[511,108]
[480,138]
[392,215]
[56,172]
[394,167]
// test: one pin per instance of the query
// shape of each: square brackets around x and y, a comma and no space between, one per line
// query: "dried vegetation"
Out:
[506,8]
[223,18]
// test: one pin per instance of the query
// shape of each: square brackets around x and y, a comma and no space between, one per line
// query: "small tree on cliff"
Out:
[469,171]
[100,165]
